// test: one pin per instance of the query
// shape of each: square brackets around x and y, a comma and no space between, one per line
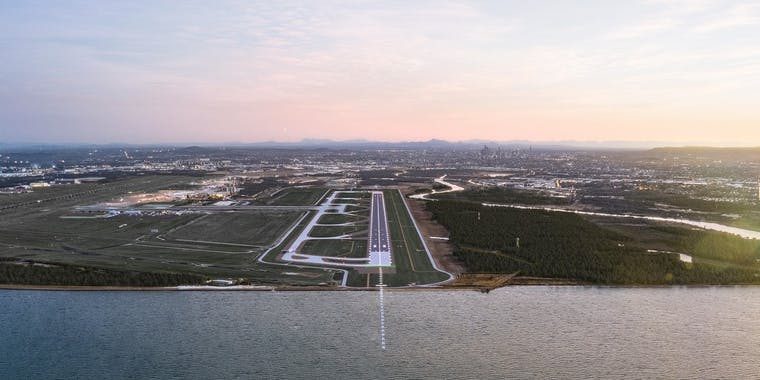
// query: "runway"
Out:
[379,238]
[376,257]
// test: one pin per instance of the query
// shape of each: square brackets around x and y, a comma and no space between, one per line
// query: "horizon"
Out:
[682,72]
[434,189]
[321,143]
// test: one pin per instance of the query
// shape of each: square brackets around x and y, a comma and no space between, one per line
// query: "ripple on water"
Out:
[523,332]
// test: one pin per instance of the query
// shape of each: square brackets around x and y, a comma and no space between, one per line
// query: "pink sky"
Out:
[654,70]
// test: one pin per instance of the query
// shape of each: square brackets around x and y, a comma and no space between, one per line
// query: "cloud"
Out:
[645,28]
[685,6]
[250,69]
[736,16]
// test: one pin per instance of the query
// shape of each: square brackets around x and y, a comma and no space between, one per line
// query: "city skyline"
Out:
[682,72]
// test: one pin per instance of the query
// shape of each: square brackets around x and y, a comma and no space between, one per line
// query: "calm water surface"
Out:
[519,332]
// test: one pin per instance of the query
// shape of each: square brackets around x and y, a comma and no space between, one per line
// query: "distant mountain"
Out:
[472,144]
[353,144]
[442,144]
[704,149]
[717,153]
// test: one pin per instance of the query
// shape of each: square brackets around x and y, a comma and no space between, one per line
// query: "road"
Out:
[440,180]
[103,207]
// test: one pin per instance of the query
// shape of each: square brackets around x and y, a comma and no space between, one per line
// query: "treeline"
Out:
[561,245]
[713,245]
[505,195]
[68,275]
[686,202]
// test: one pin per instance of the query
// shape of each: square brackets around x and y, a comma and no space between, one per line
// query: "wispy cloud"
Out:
[736,16]
[446,69]
[684,6]
[645,28]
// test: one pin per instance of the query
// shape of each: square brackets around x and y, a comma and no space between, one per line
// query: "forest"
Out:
[559,245]
[505,195]
[25,273]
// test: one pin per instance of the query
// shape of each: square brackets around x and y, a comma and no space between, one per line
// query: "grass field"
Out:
[298,196]
[411,263]
[122,242]
[31,228]
[364,201]
[39,227]
[339,219]
[336,248]
[355,194]
[334,231]
[247,228]
[410,260]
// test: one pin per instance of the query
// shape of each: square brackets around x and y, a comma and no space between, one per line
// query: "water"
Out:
[517,332]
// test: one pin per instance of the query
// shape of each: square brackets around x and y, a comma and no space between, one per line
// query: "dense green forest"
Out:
[690,202]
[505,195]
[560,245]
[28,274]
[713,245]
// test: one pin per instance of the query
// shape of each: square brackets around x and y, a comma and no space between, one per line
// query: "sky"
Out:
[686,72]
